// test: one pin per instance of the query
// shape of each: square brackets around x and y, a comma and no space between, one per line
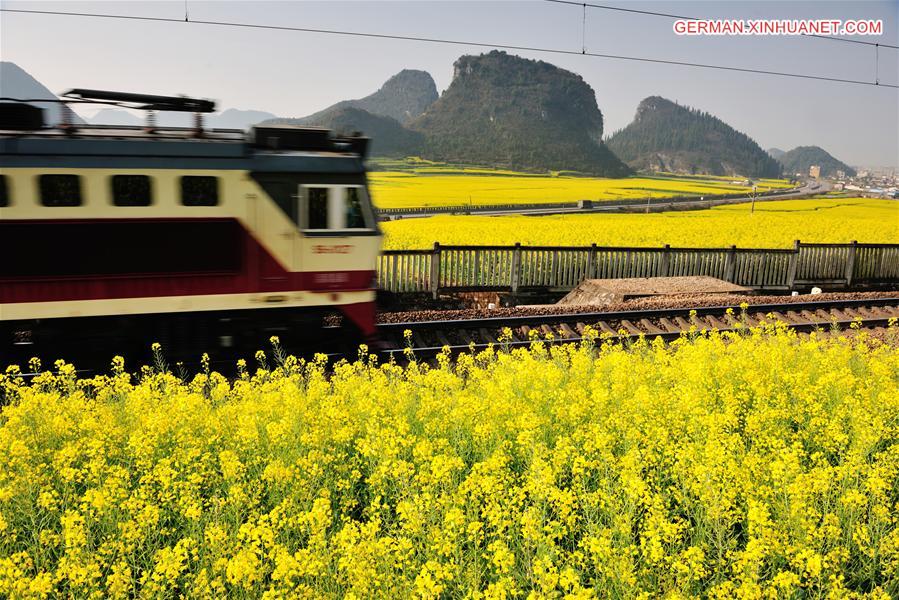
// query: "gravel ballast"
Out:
[673,301]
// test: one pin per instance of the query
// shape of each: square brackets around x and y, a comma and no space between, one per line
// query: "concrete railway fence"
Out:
[522,269]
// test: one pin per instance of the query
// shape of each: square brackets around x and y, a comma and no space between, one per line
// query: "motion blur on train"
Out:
[204,240]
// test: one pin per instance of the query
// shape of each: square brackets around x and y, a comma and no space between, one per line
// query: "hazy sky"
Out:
[294,74]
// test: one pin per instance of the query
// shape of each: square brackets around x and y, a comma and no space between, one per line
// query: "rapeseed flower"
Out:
[763,464]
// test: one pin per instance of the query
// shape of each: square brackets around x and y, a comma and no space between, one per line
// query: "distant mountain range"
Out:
[499,110]
[665,136]
[380,115]
[403,97]
[800,159]
[15,82]
[231,118]
[388,136]
[505,111]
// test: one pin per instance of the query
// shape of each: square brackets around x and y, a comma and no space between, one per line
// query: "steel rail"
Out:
[519,320]
[635,316]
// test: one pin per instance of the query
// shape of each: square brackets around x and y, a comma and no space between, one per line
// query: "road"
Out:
[808,189]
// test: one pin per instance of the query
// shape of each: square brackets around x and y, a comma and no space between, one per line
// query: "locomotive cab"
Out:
[204,240]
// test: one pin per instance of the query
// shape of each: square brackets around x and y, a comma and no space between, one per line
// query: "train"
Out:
[203,240]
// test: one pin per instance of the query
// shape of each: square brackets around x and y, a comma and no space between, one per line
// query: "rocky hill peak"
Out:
[666,136]
[506,110]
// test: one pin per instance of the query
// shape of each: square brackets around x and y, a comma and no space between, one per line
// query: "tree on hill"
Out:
[801,158]
[665,136]
[403,97]
[388,137]
[509,111]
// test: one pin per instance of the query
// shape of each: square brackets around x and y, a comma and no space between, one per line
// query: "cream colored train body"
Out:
[222,238]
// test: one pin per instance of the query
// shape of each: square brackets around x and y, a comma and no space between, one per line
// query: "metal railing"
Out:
[559,268]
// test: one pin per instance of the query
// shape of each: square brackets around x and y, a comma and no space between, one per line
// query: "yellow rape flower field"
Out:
[728,466]
[444,186]
[774,224]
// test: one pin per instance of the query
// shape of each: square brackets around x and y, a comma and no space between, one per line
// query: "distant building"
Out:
[814,171]
[838,187]
[841,174]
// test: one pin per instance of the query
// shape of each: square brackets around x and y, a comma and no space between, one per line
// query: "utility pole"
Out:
[753,195]
[648,199]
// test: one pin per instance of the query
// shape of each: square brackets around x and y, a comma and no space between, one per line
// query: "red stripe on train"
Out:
[56,261]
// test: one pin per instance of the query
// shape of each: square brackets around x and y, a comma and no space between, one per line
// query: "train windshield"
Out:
[317,208]
[355,219]
[332,208]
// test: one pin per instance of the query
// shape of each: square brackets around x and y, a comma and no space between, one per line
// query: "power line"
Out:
[670,16]
[450,42]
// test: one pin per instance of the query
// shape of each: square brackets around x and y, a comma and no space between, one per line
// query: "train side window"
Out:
[131,190]
[199,191]
[60,190]
[317,207]
[4,192]
[355,218]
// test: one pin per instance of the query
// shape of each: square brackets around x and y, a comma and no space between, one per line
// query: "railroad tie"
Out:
[391,343]
[682,324]
[824,315]
[568,332]
[442,339]
[870,312]
[756,319]
[466,338]
[699,322]
[813,317]
[604,328]
[716,323]
[418,340]
[667,324]
[487,336]
[883,312]
[630,327]
[796,317]
[840,315]
[517,334]
[782,317]
[731,320]
[649,327]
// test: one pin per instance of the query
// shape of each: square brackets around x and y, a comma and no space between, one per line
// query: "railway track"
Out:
[428,338]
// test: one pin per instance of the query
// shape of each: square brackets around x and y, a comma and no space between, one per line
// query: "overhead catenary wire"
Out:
[685,18]
[447,41]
